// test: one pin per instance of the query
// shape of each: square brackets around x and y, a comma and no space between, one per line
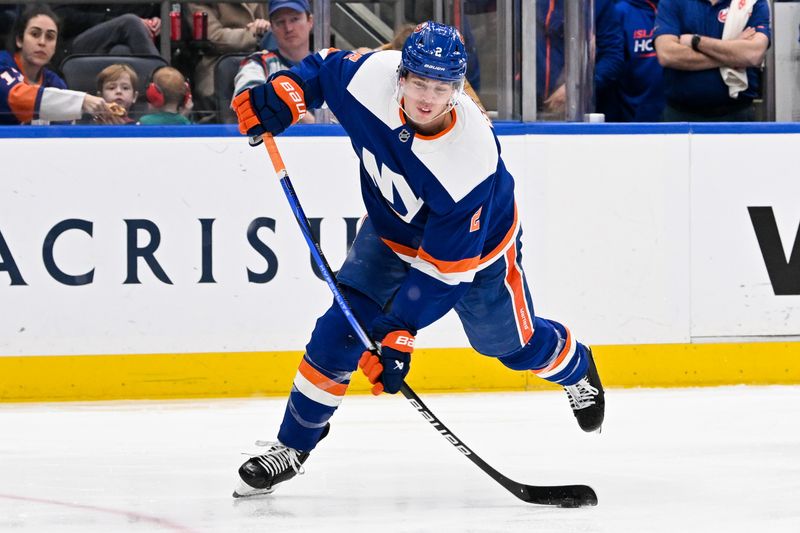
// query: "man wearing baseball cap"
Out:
[291,22]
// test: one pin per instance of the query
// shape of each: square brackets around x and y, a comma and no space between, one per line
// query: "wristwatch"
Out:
[695,42]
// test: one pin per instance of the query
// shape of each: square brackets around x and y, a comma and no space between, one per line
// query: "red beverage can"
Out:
[175,26]
[200,26]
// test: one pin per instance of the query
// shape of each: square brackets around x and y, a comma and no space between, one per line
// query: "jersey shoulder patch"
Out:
[373,85]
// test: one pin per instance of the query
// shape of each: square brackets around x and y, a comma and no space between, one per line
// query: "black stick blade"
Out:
[562,496]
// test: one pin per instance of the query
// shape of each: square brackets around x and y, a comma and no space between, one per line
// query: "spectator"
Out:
[639,95]
[291,22]
[232,27]
[551,94]
[168,94]
[690,46]
[31,93]
[120,29]
[117,85]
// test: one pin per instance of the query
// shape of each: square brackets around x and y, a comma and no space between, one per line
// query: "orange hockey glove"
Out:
[387,370]
[271,107]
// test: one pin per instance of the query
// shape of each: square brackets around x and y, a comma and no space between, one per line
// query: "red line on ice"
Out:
[128,514]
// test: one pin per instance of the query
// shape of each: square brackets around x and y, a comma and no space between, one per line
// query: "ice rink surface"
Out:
[668,460]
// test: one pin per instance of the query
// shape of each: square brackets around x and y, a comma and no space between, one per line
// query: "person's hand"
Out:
[557,101]
[188,105]
[747,34]
[97,107]
[387,369]
[153,25]
[258,27]
[117,115]
[271,107]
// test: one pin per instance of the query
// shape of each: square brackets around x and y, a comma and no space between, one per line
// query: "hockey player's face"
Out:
[120,91]
[38,43]
[425,99]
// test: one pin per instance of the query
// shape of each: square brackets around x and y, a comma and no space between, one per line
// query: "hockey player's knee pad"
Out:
[334,344]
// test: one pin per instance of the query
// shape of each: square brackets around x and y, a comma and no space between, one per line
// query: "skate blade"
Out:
[246,491]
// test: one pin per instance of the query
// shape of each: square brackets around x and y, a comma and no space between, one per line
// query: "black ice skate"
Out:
[260,474]
[587,399]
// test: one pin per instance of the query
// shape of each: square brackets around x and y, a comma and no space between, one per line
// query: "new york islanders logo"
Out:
[392,186]
[722,16]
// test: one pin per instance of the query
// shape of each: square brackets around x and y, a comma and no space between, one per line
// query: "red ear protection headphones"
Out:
[155,95]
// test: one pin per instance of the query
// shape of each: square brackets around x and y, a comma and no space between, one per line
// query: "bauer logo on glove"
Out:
[289,92]
[388,369]
[271,107]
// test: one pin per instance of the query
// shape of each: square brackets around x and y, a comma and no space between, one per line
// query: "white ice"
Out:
[672,460]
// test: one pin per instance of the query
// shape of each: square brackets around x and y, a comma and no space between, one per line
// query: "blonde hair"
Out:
[399,38]
[172,84]
[115,72]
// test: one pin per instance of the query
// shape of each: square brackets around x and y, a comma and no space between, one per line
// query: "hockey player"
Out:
[442,233]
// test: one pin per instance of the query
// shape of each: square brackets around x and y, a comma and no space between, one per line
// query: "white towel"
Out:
[738,14]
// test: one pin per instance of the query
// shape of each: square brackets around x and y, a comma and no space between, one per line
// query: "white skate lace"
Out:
[581,395]
[278,458]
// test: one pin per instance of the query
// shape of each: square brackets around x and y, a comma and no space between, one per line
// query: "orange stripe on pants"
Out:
[522,314]
[320,380]
[560,358]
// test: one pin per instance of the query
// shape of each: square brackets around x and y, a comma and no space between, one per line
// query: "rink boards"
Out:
[164,262]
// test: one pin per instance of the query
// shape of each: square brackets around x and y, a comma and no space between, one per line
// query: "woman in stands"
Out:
[31,93]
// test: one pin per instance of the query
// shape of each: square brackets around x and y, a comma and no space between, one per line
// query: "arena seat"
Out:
[80,71]
[224,72]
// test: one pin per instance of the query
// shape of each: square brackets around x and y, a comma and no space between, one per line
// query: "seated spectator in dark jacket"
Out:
[639,94]
[551,95]
[118,29]
[31,93]
[169,97]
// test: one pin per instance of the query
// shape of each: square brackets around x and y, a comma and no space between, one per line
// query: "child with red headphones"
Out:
[169,97]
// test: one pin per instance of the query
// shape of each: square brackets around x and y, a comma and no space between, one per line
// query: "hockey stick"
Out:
[560,495]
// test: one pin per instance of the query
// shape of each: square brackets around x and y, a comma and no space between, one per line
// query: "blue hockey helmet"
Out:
[437,51]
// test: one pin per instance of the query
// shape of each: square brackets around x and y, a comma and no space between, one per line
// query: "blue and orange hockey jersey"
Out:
[444,203]
[47,100]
